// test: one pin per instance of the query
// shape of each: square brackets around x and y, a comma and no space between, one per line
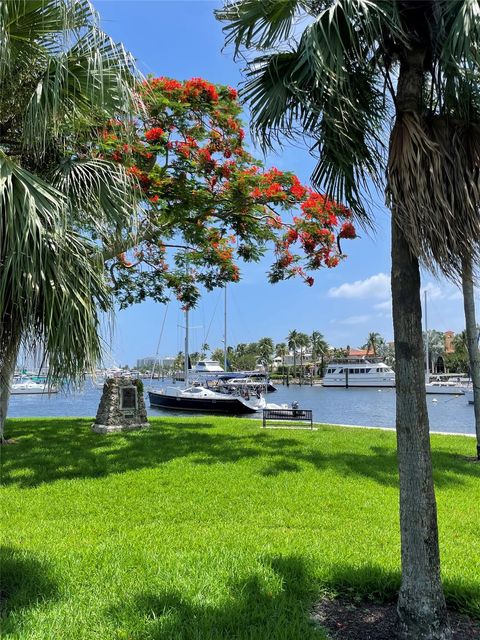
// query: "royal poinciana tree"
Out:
[204,203]
[207,201]
[384,88]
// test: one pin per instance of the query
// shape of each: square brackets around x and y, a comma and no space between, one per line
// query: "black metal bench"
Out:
[287,416]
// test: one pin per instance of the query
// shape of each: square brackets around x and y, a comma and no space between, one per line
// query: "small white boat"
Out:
[445,387]
[469,394]
[24,387]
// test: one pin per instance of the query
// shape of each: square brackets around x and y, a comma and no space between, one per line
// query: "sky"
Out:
[181,39]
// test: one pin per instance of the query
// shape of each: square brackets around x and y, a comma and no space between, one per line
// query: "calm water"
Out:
[369,407]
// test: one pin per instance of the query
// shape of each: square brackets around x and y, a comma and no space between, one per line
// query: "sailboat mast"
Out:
[426,340]
[225,329]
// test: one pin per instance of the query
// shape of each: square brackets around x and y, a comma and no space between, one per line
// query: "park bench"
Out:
[291,417]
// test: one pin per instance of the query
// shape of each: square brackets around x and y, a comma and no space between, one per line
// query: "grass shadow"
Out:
[275,603]
[54,449]
[250,609]
[25,582]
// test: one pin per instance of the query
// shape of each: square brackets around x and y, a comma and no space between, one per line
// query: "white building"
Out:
[155,361]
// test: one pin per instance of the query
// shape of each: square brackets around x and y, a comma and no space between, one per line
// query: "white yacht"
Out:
[208,366]
[358,372]
[24,386]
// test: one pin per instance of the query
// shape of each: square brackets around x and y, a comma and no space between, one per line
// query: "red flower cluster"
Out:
[154,135]
[205,157]
[167,84]
[297,189]
[141,176]
[198,88]
[348,231]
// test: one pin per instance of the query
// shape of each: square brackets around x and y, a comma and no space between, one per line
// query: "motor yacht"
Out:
[358,372]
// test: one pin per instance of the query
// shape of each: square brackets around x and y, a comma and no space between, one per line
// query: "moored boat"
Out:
[202,399]
[24,387]
[444,387]
[358,372]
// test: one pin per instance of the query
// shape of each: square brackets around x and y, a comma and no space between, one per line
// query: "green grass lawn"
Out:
[212,528]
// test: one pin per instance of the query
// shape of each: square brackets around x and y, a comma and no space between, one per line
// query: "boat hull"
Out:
[444,390]
[231,406]
[355,385]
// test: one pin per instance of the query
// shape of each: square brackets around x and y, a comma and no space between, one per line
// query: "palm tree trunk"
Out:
[7,369]
[472,340]
[421,602]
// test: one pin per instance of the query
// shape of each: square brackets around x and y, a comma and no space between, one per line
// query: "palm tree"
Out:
[61,78]
[357,67]
[281,350]
[472,338]
[303,342]
[265,351]
[373,343]
[292,345]
[319,348]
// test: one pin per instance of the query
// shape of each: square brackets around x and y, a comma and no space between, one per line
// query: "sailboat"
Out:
[201,398]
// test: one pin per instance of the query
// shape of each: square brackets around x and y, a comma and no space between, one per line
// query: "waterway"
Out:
[364,407]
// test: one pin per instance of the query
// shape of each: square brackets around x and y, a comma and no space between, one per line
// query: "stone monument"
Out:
[122,406]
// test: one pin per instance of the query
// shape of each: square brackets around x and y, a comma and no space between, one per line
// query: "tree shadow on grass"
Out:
[250,609]
[25,581]
[59,449]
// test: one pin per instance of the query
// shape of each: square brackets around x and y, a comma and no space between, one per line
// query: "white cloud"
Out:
[383,306]
[354,320]
[434,292]
[377,286]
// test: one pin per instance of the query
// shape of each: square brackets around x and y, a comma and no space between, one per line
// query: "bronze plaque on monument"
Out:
[128,398]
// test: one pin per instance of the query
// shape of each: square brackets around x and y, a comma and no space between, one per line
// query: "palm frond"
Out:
[345,125]
[460,31]
[259,23]
[271,95]
[100,196]
[94,77]
[52,286]
[32,28]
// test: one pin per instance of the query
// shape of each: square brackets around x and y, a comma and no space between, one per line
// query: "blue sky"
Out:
[181,39]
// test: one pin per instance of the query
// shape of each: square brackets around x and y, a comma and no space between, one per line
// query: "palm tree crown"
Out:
[61,77]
